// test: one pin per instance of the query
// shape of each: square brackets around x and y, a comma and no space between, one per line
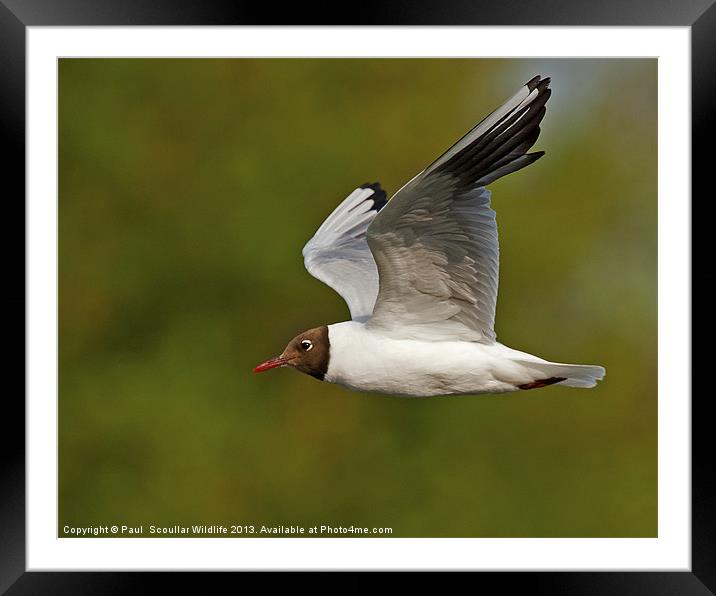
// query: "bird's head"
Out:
[307,352]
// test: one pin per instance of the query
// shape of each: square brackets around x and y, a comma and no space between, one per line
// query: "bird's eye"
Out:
[306,345]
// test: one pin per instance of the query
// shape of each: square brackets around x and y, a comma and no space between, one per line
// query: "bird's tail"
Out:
[570,375]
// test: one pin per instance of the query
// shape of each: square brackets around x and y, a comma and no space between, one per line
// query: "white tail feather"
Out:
[575,375]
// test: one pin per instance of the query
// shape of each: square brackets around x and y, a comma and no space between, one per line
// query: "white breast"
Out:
[363,360]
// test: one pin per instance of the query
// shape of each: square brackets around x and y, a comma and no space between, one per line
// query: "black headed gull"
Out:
[419,274]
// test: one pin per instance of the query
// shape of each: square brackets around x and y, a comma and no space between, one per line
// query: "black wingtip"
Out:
[380,198]
[538,81]
[532,83]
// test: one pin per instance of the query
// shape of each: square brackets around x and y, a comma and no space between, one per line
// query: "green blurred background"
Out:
[187,189]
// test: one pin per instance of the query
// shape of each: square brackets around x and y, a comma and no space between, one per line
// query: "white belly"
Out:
[364,361]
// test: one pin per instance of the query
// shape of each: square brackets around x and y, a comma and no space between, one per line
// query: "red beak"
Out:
[269,364]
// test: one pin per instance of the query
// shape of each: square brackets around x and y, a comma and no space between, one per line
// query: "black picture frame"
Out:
[17,15]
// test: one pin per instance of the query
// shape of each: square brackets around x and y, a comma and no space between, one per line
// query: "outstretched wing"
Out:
[338,253]
[435,244]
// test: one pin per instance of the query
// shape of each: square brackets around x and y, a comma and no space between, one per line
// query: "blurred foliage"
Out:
[187,189]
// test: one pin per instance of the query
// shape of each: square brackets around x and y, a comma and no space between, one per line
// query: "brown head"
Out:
[307,352]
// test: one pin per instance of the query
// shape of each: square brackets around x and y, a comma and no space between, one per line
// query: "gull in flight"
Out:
[419,273]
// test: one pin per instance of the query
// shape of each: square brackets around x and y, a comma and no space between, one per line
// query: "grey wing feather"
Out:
[338,253]
[436,244]
[438,258]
